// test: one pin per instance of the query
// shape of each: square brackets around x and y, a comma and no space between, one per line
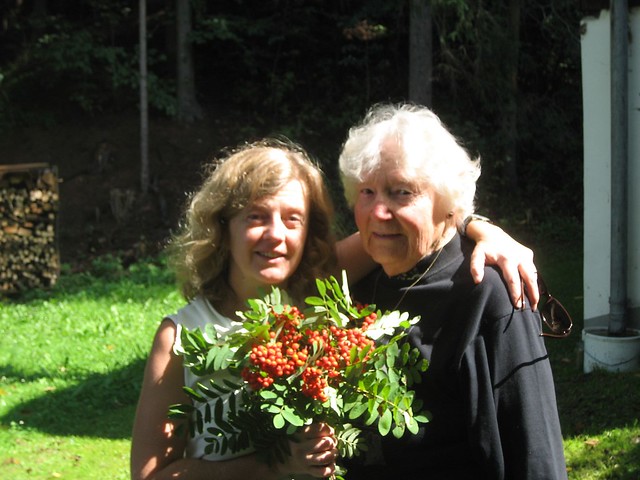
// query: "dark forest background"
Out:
[505,77]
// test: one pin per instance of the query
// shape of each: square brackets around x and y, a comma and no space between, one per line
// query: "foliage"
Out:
[335,363]
[473,56]
[69,60]
[306,70]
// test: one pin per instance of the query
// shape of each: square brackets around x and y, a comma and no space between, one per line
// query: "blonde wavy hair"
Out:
[199,253]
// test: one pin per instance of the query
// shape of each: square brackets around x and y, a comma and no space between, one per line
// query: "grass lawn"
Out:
[599,411]
[71,362]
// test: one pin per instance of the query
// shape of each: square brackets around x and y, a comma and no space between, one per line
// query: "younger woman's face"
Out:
[267,240]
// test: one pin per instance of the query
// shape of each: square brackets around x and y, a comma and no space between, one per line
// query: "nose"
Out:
[276,229]
[380,209]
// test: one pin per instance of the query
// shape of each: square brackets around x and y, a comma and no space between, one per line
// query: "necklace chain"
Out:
[415,282]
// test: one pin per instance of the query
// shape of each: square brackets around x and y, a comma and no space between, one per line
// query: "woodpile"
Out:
[29,254]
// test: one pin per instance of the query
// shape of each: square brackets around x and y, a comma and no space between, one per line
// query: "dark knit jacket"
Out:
[489,387]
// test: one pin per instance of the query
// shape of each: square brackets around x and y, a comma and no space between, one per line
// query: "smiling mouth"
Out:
[385,235]
[270,255]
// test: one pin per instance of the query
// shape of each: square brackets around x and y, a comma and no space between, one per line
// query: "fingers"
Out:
[530,279]
[528,274]
[515,262]
[314,451]
[512,280]
[319,444]
[322,463]
[477,264]
[316,429]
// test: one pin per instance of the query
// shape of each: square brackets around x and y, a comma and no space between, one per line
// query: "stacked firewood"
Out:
[29,256]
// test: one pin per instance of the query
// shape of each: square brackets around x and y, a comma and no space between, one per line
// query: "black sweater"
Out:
[489,387]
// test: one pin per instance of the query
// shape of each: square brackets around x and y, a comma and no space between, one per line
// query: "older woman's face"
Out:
[399,220]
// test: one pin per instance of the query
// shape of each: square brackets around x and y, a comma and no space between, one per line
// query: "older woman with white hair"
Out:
[489,386]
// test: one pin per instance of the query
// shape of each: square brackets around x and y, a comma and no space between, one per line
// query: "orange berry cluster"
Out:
[288,350]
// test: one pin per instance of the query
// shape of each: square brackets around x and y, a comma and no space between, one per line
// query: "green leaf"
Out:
[210,332]
[415,354]
[394,377]
[413,376]
[292,417]
[219,388]
[358,410]
[322,288]
[232,385]
[221,360]
[421,418]
[194,395]
[363,353]
[180,410]
[392,353]
[278,421]
[423,365]
[384,424]
[384,393]
[353,353]
[271,408]
[345,288]
[398,431]
[412,426]
[314,301]
[268,394]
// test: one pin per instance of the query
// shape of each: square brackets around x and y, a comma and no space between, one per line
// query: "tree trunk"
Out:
[188,107]
[420,52]
[510,112]
[144,112]
[38,16]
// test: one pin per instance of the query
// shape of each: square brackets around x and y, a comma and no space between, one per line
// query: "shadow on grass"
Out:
[102,405]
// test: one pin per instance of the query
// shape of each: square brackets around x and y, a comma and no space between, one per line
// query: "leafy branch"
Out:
[337,362]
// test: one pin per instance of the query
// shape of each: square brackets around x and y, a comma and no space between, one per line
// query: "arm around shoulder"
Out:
[353,258]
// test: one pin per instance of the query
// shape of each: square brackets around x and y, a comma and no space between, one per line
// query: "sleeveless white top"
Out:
[197,314]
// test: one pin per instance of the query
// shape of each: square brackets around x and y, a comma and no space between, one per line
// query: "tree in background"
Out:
[509,75]
[189,109]
[420,52]
[505,75]
[509,107]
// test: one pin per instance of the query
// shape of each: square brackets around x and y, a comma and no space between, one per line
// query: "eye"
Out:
[254,217]
[294,220]
[402,192]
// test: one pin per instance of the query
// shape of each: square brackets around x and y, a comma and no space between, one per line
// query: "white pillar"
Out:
[596,81]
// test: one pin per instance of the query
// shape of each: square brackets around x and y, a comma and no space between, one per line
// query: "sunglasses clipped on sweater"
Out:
[553,314]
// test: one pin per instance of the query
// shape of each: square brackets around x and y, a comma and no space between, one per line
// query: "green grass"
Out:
[599,411]
[71,363]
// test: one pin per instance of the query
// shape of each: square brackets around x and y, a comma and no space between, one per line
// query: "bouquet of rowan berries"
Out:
[335,361]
